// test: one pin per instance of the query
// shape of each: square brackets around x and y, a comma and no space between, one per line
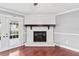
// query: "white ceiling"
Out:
[40,8]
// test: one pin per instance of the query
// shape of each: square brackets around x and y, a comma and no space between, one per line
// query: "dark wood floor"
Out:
[39,51]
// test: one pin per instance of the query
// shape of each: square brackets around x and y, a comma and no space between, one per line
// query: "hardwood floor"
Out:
[39,51]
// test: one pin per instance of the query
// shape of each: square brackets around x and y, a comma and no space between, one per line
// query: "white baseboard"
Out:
[39,45]
[67,47]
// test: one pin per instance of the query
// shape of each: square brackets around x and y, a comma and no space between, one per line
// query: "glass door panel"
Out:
[14,30]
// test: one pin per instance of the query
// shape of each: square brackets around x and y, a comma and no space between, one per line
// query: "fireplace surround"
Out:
[39,35]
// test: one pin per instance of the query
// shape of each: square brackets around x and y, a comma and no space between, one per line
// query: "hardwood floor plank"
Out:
[39,51]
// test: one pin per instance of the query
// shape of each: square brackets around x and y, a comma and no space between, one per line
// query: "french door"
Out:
[11,32]
[16,32]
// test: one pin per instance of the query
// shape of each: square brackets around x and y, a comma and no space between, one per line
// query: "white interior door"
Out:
[16,32]
[4,32]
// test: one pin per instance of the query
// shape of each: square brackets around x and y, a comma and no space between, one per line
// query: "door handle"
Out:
[3,36]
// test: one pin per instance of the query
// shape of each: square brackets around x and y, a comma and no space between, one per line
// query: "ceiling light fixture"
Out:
[35,4]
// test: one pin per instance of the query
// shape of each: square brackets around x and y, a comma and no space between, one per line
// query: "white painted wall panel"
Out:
[40,19]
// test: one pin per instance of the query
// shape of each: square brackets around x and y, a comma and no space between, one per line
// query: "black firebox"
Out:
[39,36]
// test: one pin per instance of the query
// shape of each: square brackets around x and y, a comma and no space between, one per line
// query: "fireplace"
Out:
[39,36]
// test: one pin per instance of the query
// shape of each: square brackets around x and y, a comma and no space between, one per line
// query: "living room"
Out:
[39,29]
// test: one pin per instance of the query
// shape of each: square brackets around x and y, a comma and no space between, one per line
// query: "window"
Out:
[14,30]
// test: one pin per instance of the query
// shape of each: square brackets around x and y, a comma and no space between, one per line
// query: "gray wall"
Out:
[67,29]
[40,19]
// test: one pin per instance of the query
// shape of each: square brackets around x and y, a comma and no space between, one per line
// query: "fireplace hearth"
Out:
[39,36]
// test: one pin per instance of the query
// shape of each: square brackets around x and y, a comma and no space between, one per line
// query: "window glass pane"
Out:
[14,30]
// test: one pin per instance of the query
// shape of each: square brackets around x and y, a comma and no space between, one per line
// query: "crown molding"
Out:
[10,12]
[68,11]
